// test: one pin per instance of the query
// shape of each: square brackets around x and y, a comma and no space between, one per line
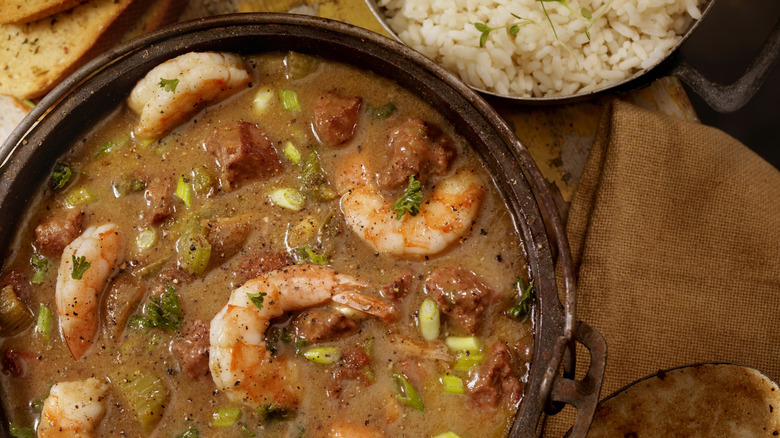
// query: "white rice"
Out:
[628,36]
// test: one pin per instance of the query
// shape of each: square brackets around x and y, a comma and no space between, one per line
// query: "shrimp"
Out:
[73,409]
[240,363]
[77,299]
[175,89]
[444,216]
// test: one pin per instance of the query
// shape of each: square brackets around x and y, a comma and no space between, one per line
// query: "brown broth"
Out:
[492,249]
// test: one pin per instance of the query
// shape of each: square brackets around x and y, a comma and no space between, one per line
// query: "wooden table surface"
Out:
[559,137]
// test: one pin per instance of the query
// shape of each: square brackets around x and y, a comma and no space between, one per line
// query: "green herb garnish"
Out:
[169,84]
[189,433]
[80,266]
[61,175]
[306,254]
[40,265]
[410,201]
[163,312]
[256,299]
[21,432]
[514,28]
[523,307]
[383,111]
[584,15]
[275,412]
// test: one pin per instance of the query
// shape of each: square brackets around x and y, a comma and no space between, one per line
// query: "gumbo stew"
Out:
[273,245]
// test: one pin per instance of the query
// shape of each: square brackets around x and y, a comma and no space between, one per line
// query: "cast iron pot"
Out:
[722,98]
[29,154]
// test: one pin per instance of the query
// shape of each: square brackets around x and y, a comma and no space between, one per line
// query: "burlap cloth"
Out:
[675,235]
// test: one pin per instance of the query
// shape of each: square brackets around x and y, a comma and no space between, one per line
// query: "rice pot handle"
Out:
[729,98]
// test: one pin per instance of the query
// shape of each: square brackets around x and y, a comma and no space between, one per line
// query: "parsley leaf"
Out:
[169,84]
[61,175]
[163,312]
[40,266]
[410,201]
[523,307]
[80,266]
[256,299]
[306,254]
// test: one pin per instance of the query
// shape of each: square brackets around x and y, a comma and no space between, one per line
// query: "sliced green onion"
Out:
[466,361]
[14,314]
[292,153]
[184,192]
[146,239]
[147,396]
[429,320]
[447,435]
[201,179]
[323,355]
[225,417]
[40,267]
[44,323]
[453,384]
[405,393]
[262,100]
[29,103]
[79,196]
[290,100]
[288,198]
[463,343]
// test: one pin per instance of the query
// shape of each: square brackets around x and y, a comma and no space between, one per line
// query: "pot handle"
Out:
[729,98]
[563,389]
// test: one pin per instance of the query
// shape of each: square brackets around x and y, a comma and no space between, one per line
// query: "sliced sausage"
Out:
[494,381]
[54,234]
[192,348]
[323,324]
[461,295]
[335,118]
[255,264]
[352,365]
[159,199]
[243,153]
[416,148]
[398,288]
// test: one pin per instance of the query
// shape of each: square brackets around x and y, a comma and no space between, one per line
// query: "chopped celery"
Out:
[323,355]
[193,248]
[21,432]
[447,435]
[79,196]
[44,323]
[146,239]
[225,417]
[147,396]
[383,111]
[306,254]
[40,267]
[463,343]
[429,320]
[298,65]
[184,192]
[112,145]
[14,314]
[405,393]
[262,100]
[466,361]
[292,153]
[453,384]
[290,100]
[288,198]
[314,182]
[201,179]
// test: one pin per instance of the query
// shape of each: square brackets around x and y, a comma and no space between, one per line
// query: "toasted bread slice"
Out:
[35,56]
[25,11]
[12,111]
[159,13]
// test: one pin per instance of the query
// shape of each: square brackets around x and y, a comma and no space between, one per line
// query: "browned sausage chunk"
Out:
[318,325]
[159,199]
[243,153]
[256,264]
[461,295]
[53,235]
[397,288]
[494,381]
[335,118]
[418,149]
[352,365]
[192,348]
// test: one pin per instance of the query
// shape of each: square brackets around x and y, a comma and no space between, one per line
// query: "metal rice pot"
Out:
[29,154]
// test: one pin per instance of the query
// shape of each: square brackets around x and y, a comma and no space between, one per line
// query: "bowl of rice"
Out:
[542,50]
